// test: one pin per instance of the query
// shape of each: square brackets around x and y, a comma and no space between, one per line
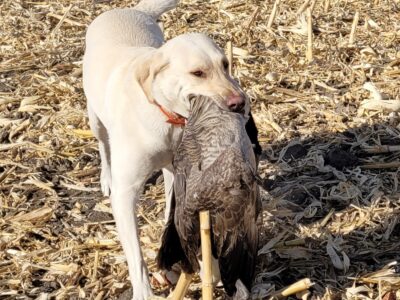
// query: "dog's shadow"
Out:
[330,208]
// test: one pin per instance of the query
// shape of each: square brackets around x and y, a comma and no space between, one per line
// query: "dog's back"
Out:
[134,27]
[114,37]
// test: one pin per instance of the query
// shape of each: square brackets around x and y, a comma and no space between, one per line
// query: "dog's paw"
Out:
[105,181]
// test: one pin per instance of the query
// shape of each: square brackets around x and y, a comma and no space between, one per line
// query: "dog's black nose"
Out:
[236,107]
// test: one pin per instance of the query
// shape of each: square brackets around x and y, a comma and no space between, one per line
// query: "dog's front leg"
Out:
[129,171]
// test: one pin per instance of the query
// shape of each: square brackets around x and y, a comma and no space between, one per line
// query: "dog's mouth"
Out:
[180,117]
[174,118]
[218,101]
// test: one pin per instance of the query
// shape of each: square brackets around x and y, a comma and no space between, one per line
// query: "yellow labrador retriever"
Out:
[138,90]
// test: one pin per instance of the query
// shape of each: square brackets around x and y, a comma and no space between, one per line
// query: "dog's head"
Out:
[187,66]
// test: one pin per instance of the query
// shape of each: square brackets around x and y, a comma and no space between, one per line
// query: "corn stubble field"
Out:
[329,127]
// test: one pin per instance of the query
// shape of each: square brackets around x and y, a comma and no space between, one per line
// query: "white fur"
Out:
[127,65]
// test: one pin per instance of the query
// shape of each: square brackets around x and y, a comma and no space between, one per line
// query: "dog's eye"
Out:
[198,73]
[225,64]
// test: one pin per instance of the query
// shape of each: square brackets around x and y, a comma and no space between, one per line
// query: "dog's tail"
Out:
[155,8]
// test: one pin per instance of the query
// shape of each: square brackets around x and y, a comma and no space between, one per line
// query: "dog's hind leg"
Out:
[100,132]
[130,168]
[168,186]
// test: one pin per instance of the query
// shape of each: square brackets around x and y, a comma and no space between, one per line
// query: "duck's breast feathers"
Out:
[226,188]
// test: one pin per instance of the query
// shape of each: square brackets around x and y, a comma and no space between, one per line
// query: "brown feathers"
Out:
[215,170]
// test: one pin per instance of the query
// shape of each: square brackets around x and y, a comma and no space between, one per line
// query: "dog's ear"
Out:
[148,70]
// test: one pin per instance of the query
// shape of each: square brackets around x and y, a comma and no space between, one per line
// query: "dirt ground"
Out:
[330,131]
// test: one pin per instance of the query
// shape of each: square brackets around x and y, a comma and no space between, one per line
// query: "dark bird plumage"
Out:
[252,132]
[215,169]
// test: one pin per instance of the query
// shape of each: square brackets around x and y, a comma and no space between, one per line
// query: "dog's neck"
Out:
[172,118]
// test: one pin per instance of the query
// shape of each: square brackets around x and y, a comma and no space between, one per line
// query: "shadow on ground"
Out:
[331,210]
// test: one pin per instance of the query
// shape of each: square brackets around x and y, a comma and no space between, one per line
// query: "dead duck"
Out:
[215,170]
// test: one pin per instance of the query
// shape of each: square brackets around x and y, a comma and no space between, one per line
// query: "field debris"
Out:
[377,102]
[329,126]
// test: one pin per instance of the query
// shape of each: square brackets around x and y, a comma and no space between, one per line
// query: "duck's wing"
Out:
[175,247]
[186,218]
[230,188]
[238,258]
[252,133]
[186,157]
[171,251]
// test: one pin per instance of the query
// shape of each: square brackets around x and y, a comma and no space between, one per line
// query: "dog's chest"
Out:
[164,143]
